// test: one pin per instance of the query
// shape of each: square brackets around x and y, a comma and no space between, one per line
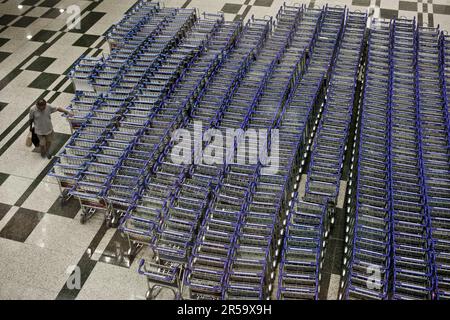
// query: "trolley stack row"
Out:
[219,238]
[251,270]
[412,268]
[368,241]
[102,140]
[435,137]
[181,211]
[301,255]
[397,246]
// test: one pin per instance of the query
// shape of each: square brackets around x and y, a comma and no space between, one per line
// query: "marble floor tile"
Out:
[21,161]
[4,208]
[333,290]
[63,235]
[42,198]
[111,282]
[13,188]
[21,225]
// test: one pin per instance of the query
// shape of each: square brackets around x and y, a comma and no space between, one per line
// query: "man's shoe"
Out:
[49,156]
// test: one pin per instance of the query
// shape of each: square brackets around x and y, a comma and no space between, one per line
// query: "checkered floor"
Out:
[42,241]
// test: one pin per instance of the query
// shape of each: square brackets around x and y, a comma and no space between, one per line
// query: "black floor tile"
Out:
[88,21]
[116,251]
[388,13]
[41,175]
[420,19]
[3,177]
[51,14]
[24,22]
[408,6]
[231,8]
[86,265]
[41,64]
[327,264]
[430,20]
[21,225]
[324,284]
[86,40]
[3,41]
[4,208]
[59,140]
[338,258]
[7,19]
[49,3]
[68,210]
[43,35]
[4,55]
[263,3]
[70,89]
[9,77]
[441,9]
[361,3]
[44,81]
[29,2]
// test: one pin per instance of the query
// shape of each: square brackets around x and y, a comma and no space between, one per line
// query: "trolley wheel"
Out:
[134,249]
[108,222]
[131,251]
[64,197]
[115,220]
[153,292]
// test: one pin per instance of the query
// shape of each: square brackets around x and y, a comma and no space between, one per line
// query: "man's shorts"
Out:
[47,139]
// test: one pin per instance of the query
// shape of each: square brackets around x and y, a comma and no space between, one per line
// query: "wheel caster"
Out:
[64,198]
[108,222]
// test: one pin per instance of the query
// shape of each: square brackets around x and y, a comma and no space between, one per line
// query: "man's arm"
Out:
[31,120]
[65,111]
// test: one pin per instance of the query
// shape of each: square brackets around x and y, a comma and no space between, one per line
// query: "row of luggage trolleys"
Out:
[244,267]
[311,216]
[94,157]
[397,243]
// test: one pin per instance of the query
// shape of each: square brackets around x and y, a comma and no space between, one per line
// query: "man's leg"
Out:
[43,145]
[49,140]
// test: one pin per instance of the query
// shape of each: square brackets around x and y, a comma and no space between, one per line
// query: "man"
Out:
[40,115]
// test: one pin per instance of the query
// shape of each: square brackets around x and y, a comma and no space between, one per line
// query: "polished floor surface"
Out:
[42,242]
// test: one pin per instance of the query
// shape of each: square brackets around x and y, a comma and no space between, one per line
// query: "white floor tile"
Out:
[112,282]
[43,197]
[13,188]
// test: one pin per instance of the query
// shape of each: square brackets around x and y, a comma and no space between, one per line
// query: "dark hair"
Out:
[42,103]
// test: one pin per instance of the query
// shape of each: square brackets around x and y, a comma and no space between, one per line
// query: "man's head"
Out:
[41,104]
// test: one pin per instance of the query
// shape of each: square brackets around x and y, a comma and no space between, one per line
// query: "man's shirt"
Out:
[42,119]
